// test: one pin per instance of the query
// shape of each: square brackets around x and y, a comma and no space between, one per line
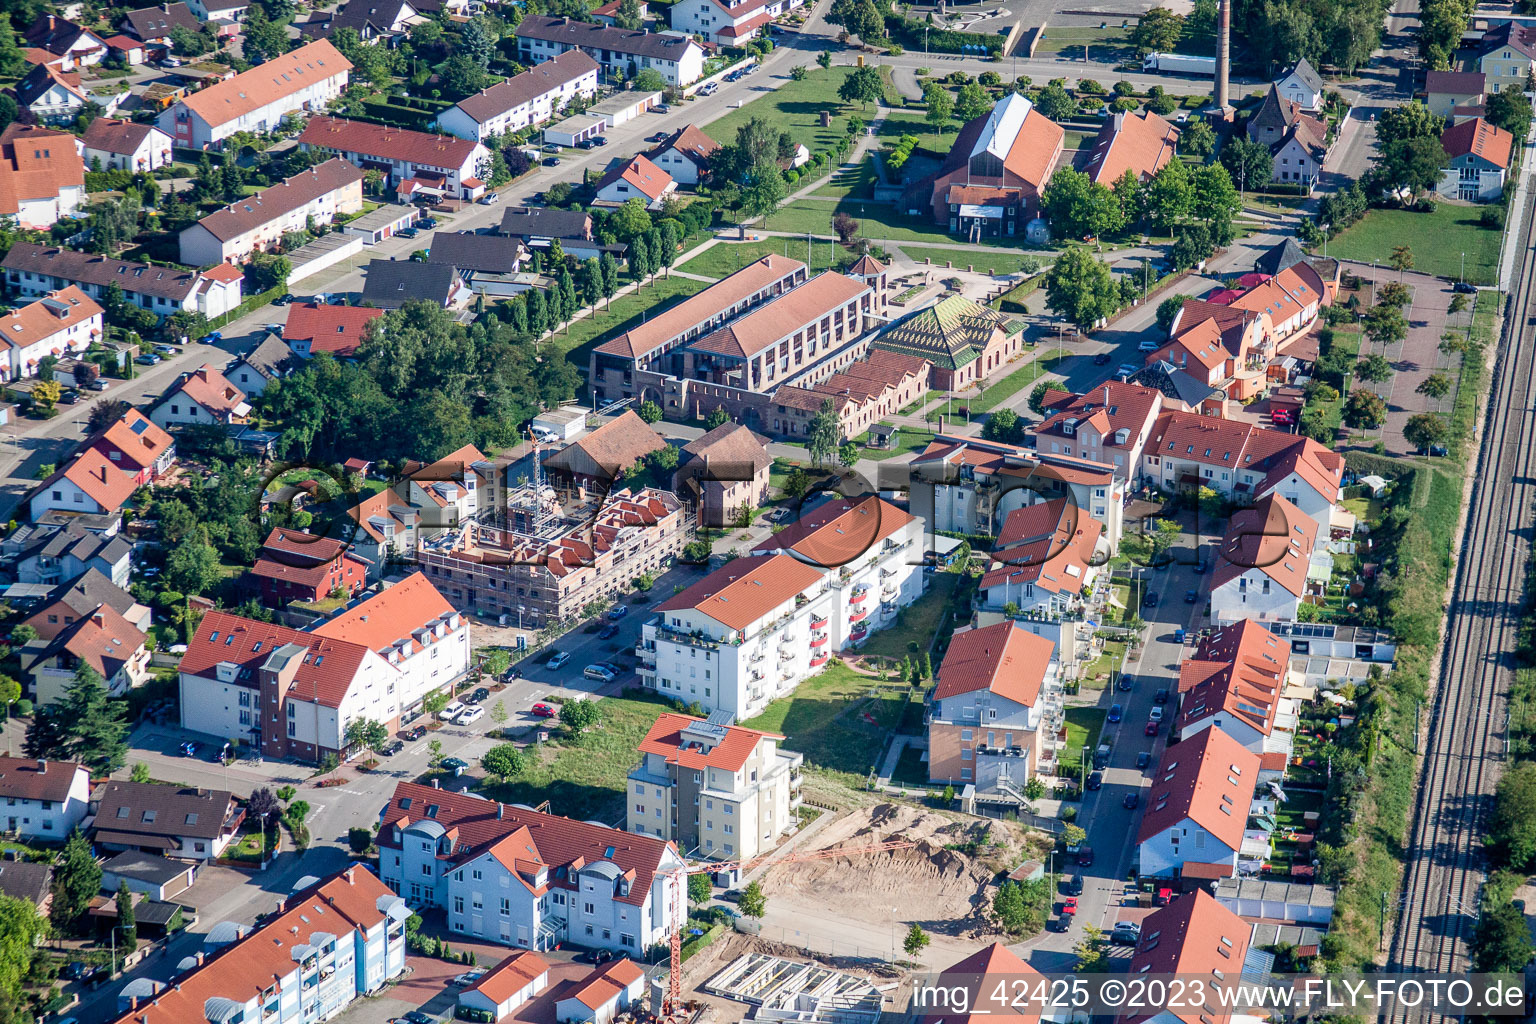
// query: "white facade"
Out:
[727,25]
[194,130]
[1295,164]
[1164,854]
[688,68]
[56,103]
[21,359]
[525,113]
[1298,90]
[473,165]
[47,819]
[201,248]
[45,211]
[152,152]
[1253,595]
[1471,178]
[678,164]
[209,296]
[1294,488]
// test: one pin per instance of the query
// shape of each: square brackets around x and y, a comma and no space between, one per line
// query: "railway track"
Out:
[1465,741]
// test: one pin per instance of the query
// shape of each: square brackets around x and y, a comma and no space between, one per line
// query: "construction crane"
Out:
[672,1004]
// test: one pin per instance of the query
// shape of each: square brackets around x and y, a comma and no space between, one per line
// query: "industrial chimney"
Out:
[1223,60]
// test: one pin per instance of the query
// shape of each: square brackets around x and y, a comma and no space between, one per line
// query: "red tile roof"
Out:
[36,163]
[404,611]
[267,83]
[1218,442]
[1126,405]
[777,319]
[324,675]
[1208,779]
[511,976]
[642,175]
[1240,671]
[140,441]
[298,546]
[26,779]
[1141,143]
[743,590]
[669,737]
[1049,544]
[1003,658]
[210,389]
[447,152]
[103,640]
[1479,138]
[836,532]
[604,984]
[102,481]
[982,972]
[37,321]
[1197,937]
[334,329]
[1275,537]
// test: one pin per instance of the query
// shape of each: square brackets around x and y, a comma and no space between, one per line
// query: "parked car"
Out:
[450,712]
[147,359]
[731,895]
[1191,596]
[559,658]
[1085,857]
[1464,287]
[1149,600]
[391,748]
[283,299]
[595,956]
[1102,359]
[1143,759]
[417,1017]
[189,748]
[607,631]
[1073,886]
[1096,780]
[1069,906]
[542,711]
[618,612]
[470,715]
[69,396]
[79,971]
[1147,345]
[599,140]
[1116,712]
[480,694]
[412,734]
[489,198]
[1161,696]
[468,978]
[1059,924]
[407,233]
[599,673]
[1125,933]
[98,385]
[1127,681]
[170,62]
[551,161]
[1126,369]
[778,514]
[662,108]
[710,89]
[1156,714]
[1151,729]
[550,147]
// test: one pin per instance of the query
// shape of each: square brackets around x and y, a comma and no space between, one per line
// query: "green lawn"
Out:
[907,442]
[1105,44]
[584,776]
[911,769]
[878,221]
[1083,727]
[825,720]
[917,622]
[992,262]
[1104,665]
[994,394]
[850,181]
[1346,339]
[626,312]
[796,107]
[914,121]
[1438,240]
[725,258]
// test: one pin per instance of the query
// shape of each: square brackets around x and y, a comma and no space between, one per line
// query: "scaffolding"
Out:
[783,990]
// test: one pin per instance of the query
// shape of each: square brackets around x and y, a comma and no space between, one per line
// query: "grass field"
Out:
[584,776]
[1438,240]
[725,258]
[626,312]
[796,107]
[850,181]
[996,261]
[1104,44]
[1083,727]
[912,121]
[824,720]
[918,620]
[878,222]
[1346,339]
[995,394]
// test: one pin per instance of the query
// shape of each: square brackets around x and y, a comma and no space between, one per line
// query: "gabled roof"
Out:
[144,808]
[950,334]
[641,175]
[157,22]
[1215,441]
[212,390]
[744,590]
[656,45]
[1141,143]
[778,318]
[1125,406]
[43,77]
[518,90]
[546,221]
[43,318]
[401,617]
[247,214]
[730,444]
[1306,74]
[102,639]
[324,674]
[1518,37]
[26,880]
[1274,537]
[140,441]
[26,779]
[1276,112]
[1004,658]
[1025,140]
[89,591]
[1478,138]
[111,135]
[267,83]
[982,972]
[101,480]
[1208,779]
[691,143]
[1050,545]
[57,35]
[615,446]
[334,329]
[36,163]
[605,983]
[836,532]
[1284,295]
[271,358]
[1454,83]
[393,283]
[511,976]
[1240,671]
[422,149]
[1197,937]
[695,744]
[492,254]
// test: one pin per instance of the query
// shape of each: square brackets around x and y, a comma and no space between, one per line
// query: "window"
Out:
[458,904]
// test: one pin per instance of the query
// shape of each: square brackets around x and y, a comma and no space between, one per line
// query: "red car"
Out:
[1069,906]
[542,711]
[1151,729]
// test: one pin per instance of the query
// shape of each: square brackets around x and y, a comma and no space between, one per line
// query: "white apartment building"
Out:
[293,693]
[327,944]
[1198,807]
[302,80]
[727,24]
[621,52]
[64,323]
[42,178]
[259,222]
[707,785]
[43,799]
[34,269]
[443,165]
[756,627]
[126,145]
[1267,563]
[505,873]
[524,100]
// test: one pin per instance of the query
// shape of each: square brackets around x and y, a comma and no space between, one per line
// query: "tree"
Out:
[1503,940]
[1198,138]
[916,941]
[1394,293]
[1073,835]
[193,569]
[434,756]
[1159,30]
[1510,110]
[823,434]
[140,772]
[127,928]
[649,80]
[1458,304]
[1411,120]
[1055,102]
[848,454]
[367,734]
[261,807]
[434,702]
[1436,386]
[1426,429]
[1385,325]
[478,43]
[579,714]
[1365,410]
[1003,424]
[699,889]
[1193,245]
[940,104]
[1168,309]
[1081,288]
[86,373]
[862,86]
[261,38]
[359,839]
[718,417]
[1512,830]
[628,15]
[1413,164]
[503,761]
[1215,197]
[461,76]
[763,190]
[1170,193]
[1092,951]
[650,411]
[824,58]
[972,102]
[1042,390]
[93,722]
[753,903]
[46,393]
[1079,207]
[76,881]
[13,62]
[1401,260]
[1249,163]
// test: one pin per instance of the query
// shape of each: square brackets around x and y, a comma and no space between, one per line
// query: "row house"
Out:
[260,221]
[542,579]
[625,366]
[986,718]
[755,628]
[1197,808]
[34,269]
[505,873]
[126,145]
[65,323]
[293,693]
[327,944]
[1044,559]
[1268,563]
[728,24]
[43,799]
[42,178]
[304,80]
[1235,681]
[415,163]
[621,52]
[969,485]
[714,787]
[50,553]
[524,100]
[297,566]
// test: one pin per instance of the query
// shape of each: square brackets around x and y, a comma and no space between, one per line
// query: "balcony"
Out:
[859,615]
[859,593]
[985,751]
[757,674]
[819,640]
[757,656]
[819,660]
[786,639]
[645,654]
[786,655]
[888,592]
[819,622]
[887,573]
[678,636]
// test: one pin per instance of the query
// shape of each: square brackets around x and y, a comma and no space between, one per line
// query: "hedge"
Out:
[909,33]
[699,942]
[250,305]
[394,115]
